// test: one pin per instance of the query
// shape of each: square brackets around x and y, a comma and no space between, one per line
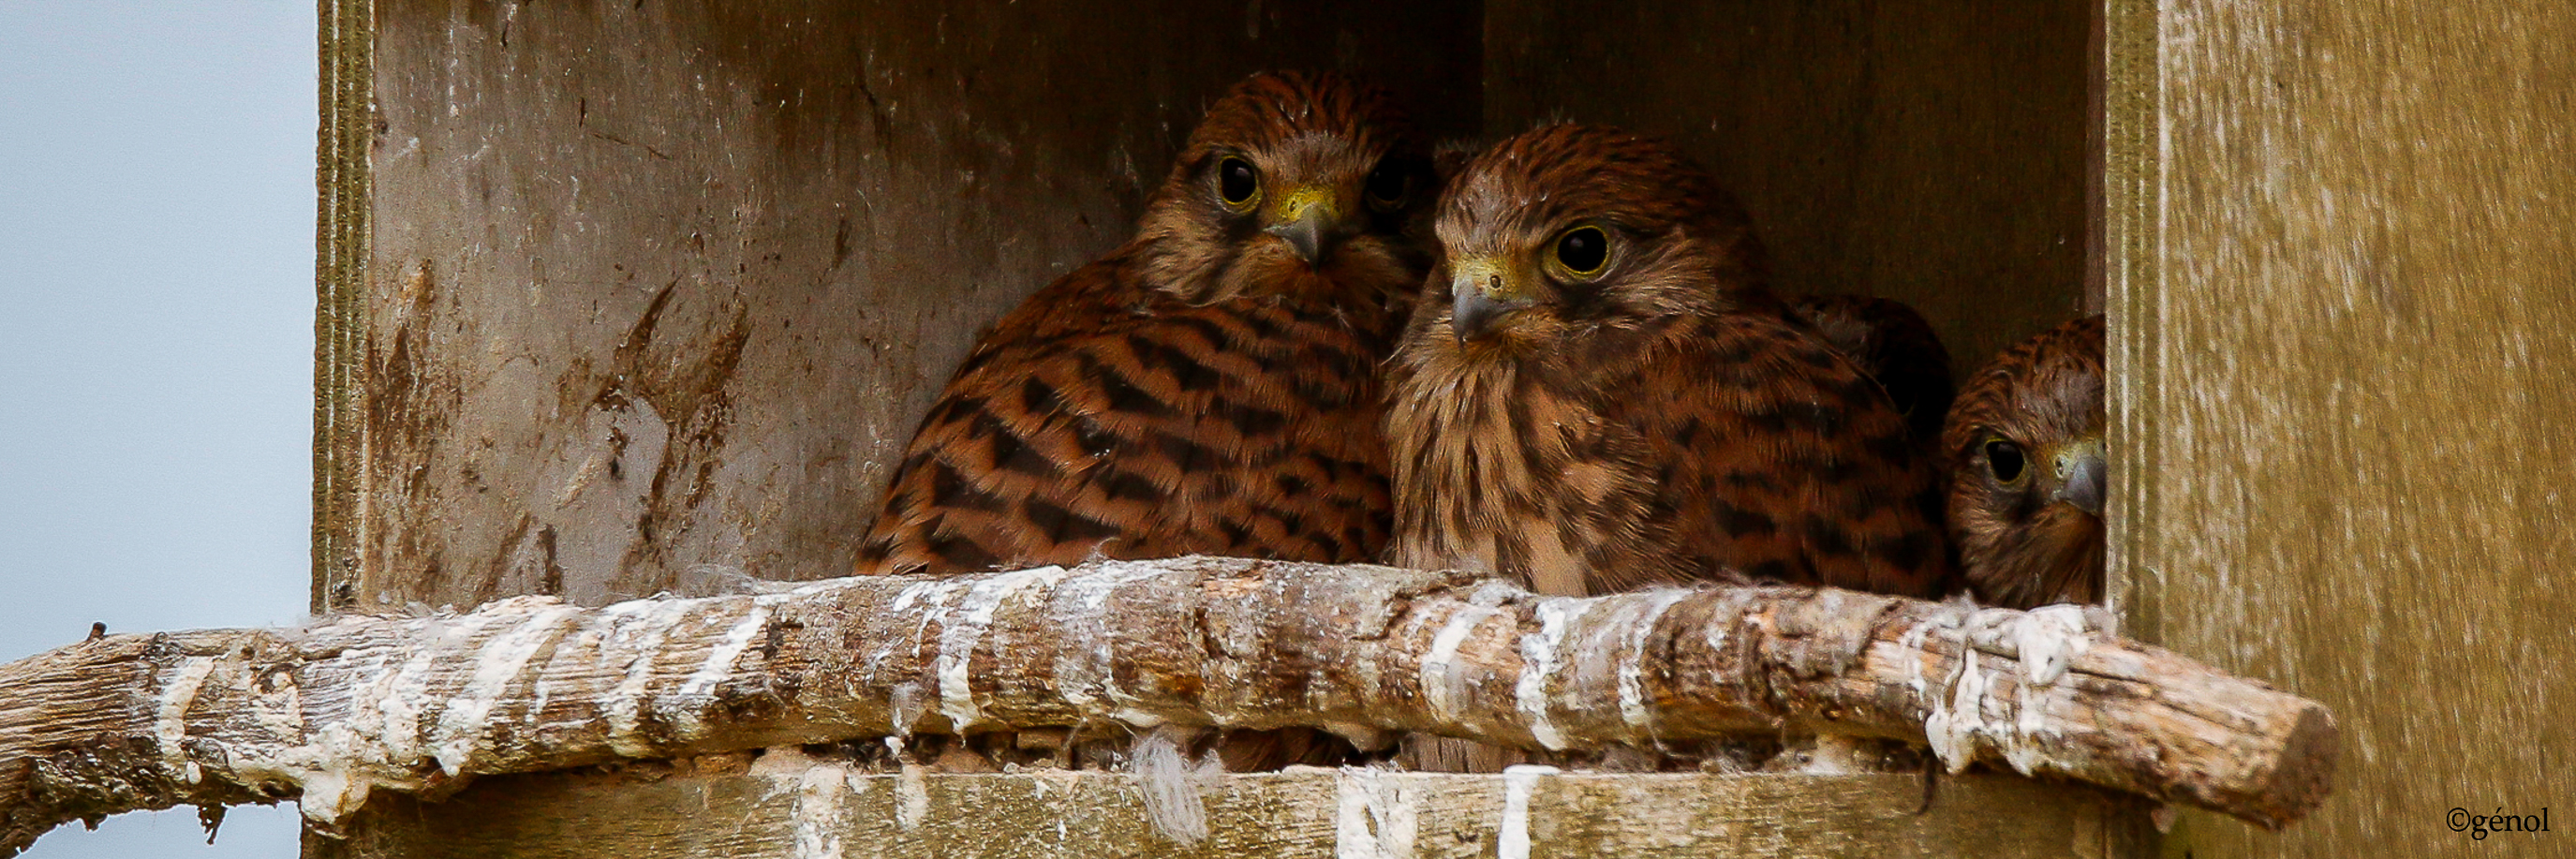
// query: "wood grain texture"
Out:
[341,225]
[1928,152]
[2349,365]
[656,287]
[352,706]
[812,809]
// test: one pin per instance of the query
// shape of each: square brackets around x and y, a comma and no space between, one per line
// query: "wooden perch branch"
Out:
[335,710]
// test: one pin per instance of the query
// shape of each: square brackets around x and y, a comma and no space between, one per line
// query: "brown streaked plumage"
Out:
[1598,392]
[1211,387]
[2027,474]
[1894,345]
[1203,389]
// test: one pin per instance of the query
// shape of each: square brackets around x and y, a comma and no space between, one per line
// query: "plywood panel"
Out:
[658,286]
[1930,152]
[2353,438]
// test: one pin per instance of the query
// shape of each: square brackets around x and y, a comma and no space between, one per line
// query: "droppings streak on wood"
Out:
[2049,637]
[688,723]
[403,696]
[1375,816]
[1512,840]
[959,637]
[1913,639]
[355,704]
[1082,667]
[1444,689]
[499,664]
[277,706]
[1354,835]
[814,818]
[1952,729]
[1631,658]
[2043,642]
[1539,664]
[912,797]
[172,726]
[640,627]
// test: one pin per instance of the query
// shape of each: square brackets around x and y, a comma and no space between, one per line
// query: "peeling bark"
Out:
[331,712]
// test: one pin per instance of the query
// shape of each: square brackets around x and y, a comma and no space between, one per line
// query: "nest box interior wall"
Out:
[656,291]
[658,286]
[1929,152]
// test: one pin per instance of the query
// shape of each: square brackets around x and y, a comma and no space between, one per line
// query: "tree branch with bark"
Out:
[330,712]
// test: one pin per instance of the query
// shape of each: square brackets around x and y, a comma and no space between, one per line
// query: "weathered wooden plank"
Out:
[337,711]
[2345,359]
[809,809]
[343,216]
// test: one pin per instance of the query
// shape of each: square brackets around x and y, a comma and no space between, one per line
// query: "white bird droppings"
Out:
[1951,730]
[1633,705]
[959,636]
[911,796]
[171,728]
[718,667]
[1442,688]
[1539,664]
[650,623]
[1374,816]
[2049,638]
[814,820]
[1513,840]
[497,664]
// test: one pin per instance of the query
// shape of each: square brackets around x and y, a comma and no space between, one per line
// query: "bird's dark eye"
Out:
[1237,181]
[1583,250]
[1387,184]
[2004,459]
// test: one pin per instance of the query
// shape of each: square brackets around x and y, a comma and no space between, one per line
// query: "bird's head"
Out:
[1567,229]
[1310,185]
[2027,470]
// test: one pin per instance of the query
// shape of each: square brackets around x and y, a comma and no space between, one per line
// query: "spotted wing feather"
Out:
[1158,429]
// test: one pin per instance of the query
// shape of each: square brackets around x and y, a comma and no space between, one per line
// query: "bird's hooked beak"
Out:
[2082,479]
[1482,290]
[1310,219]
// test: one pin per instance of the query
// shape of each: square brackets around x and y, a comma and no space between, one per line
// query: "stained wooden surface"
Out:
[806,809]
[620,297]
[615,294]
[657,286]
[347,709]
[1929,152]
[2348,375]
[342,218]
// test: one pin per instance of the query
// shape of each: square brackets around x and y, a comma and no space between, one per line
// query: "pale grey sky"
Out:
[156,340]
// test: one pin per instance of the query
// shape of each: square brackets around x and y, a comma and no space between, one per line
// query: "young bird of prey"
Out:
[1895,346]
[1598,392]
[1211,387]
[2026,471]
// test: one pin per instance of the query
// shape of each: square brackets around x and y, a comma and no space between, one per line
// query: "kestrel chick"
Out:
[1893,344]
[1212,386]
[2027,477]
[1598,392]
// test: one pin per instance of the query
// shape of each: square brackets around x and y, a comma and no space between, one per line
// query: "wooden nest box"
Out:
[623,299]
